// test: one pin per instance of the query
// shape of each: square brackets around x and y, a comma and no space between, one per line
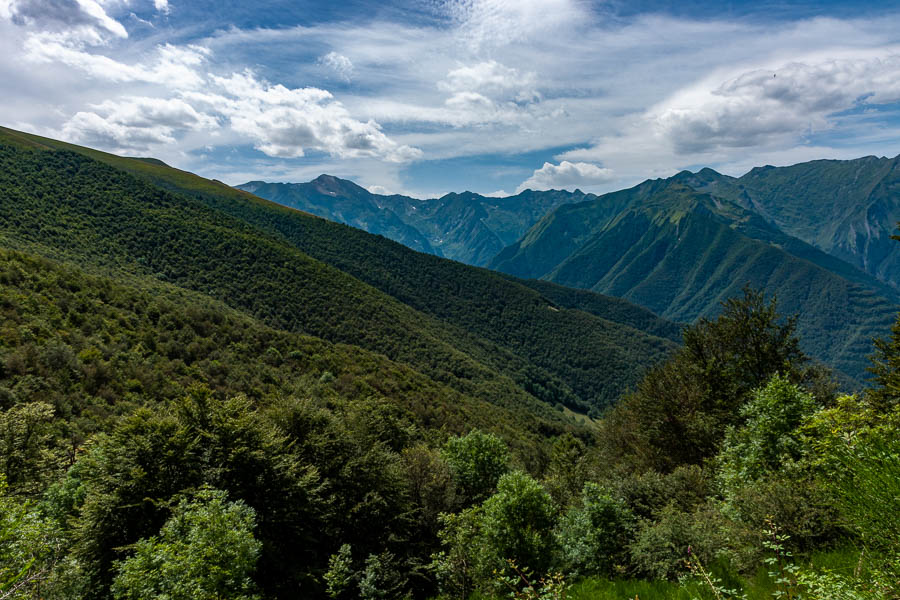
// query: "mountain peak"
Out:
[335,186]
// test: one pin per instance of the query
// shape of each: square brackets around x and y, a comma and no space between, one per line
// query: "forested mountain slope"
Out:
[468,328]
[467,227]
[681,252]
[848,208]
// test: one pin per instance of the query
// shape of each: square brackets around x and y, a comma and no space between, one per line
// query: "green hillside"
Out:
[97,348]
[680,253]
[470,328]
[466,227]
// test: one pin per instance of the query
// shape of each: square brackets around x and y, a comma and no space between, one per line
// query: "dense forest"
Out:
[206,396]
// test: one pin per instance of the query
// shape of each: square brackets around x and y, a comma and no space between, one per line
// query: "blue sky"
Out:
[424,97]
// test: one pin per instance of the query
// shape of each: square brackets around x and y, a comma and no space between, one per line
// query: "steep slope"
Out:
[471,329]
[847,208]
[679,252]
[97,347]
[466,227]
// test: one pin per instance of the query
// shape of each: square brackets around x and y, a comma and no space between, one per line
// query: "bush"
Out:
[206,551]
[593,537]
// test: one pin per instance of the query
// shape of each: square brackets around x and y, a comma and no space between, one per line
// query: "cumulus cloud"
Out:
[339,64]
[379,189]
[763,107]
[286,122]
[566,175]
[134,123]
[162,6]
[486,77]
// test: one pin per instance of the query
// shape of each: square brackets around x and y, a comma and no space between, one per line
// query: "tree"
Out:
[28,454]
[770,434]
[681,409]
[517,523]
[593,537]
[205,551]
[477,460]
[567,471]
[30,545]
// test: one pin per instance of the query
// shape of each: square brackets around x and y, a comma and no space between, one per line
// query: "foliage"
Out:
[517,522]
[867,482]
[30,546]
[523,585]
[383,577]
[769,436]
[885,393]
[460,566]
[567,472]
[661,547]
[29,453]
[477,460]
[679,412]
[594,536]
[339,577]
[206,550]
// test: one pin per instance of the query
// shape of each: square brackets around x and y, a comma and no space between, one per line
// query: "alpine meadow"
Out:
[449,300]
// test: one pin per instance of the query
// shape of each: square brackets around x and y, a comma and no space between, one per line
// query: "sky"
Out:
[425,97]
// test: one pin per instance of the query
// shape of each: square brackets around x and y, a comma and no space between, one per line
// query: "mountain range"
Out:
[467,227]
[682,245]
[817,235]
[488,350]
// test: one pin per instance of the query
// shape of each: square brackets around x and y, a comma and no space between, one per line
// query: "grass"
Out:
[759,586]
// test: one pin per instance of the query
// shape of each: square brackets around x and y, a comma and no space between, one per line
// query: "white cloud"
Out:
[493,23]
[486,77]
[162,6]
[379,189]
[135,123]
[173,66]
[566,175]
[285,122]
[77,19]
[339,64]
[763,106]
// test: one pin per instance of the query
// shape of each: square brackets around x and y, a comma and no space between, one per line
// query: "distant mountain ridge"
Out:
[467,227]
[680,246]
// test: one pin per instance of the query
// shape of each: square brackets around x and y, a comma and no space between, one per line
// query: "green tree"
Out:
[459,566]
[567,471]
[594,536]
[477,460]
[340,574]
[681,409]
[517,523]
[885,394]
[770,434]
[30,545]
[28,453]
[205,551]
